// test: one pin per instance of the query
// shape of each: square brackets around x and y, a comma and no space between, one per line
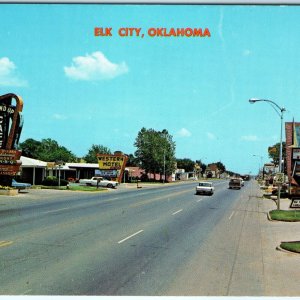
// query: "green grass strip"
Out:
[291,246]
[82,188]
[285,215]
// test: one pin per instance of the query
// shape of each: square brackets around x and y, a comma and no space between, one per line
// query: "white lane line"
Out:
[127,238]
[52,211]
[199,199]
[231,215]
[176,212]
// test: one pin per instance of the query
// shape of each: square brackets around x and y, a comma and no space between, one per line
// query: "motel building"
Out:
[35,171]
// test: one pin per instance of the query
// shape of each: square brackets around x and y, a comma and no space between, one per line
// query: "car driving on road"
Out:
[205,187]
[235,183]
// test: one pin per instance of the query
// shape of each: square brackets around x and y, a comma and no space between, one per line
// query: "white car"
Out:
[205,187]
[99,181]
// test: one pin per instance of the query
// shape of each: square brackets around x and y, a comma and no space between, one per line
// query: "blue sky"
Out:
[79,89]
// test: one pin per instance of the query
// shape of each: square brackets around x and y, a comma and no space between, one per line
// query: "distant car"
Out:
[205,187]
[20,185]
[235,183]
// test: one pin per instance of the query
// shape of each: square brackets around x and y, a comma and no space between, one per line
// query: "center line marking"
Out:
[176,212]
[61,209]
[127,238]
[231,215]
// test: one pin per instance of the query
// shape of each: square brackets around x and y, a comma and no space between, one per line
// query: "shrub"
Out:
[53,181]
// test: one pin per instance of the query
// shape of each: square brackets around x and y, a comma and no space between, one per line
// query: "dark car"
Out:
[20,185]
[235,183]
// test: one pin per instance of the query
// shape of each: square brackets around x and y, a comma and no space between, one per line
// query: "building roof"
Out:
[30,162]
[82,165]
[35,163]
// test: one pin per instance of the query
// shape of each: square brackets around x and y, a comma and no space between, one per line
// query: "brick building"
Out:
[292,132]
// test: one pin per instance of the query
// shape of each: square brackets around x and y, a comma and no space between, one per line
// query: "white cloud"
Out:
[210,135]
[247,52]
[8,74]
[183,132]
[249,138]
[59,117]
[94,67]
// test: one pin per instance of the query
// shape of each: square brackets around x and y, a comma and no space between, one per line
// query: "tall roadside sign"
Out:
[11,123]
[112,165]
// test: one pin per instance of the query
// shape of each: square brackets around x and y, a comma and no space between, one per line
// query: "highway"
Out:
[147,241]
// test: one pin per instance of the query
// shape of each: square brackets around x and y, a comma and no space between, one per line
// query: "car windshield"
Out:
[204,184]
[235,180]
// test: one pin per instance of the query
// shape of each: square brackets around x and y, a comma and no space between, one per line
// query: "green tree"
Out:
[185,163]
[221,166]
[91,157]
[274,152]
[202,166]
[50,150]
[132,161]
[155,151]
[46,150]
[30,148]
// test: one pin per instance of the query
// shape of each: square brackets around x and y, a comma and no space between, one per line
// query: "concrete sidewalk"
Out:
[281,269]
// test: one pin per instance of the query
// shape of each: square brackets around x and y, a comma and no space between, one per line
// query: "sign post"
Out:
[11,123]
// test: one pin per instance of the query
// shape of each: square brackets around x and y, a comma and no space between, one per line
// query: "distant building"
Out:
[212,171]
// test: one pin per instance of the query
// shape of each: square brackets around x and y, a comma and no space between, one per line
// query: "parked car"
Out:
[20,185]
[99,181]
[205,187]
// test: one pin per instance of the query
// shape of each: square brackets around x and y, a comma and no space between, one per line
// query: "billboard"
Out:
[112,165]
[11,123]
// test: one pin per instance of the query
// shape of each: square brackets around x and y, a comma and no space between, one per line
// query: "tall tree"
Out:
[274,152]
[185,163]
[46,150]
[50,150]
[202,166]
[155,151]
[91,157]
[221,166]
[132,161]
[30,148]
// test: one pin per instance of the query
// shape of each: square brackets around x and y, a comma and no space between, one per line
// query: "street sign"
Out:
[11,123]
[296,153]
[9,162]
[279,178]
[295,203]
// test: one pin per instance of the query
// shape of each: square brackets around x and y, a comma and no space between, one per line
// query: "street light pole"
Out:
[279,110]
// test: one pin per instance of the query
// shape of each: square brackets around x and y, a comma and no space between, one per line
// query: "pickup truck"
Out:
[205,187]
[235,183]
[99,181]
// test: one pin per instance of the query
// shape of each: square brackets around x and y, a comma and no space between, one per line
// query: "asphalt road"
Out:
[122,242]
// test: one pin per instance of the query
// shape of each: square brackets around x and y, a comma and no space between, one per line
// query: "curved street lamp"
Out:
[279,110]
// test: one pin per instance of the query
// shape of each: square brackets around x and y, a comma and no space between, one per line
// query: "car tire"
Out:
[110,185]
